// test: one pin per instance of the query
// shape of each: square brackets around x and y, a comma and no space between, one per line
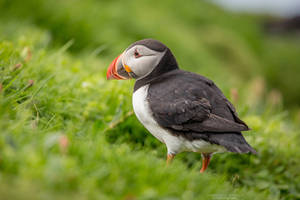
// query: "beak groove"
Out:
[119,70]
[112,70]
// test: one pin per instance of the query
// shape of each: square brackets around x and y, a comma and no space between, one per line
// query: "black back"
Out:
[190,105]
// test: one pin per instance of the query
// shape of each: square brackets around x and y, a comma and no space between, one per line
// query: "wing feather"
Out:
[190,102]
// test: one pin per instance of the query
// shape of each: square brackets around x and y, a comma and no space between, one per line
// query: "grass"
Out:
[53,135]
[218,39]
[66,132]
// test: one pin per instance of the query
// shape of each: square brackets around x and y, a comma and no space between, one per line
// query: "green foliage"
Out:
[281,71]
[66,132]
[201,35]
[55,110]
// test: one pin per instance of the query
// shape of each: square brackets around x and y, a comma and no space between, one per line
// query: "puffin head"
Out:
[142,59]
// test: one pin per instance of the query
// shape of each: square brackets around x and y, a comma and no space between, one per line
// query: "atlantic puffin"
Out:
[184,110]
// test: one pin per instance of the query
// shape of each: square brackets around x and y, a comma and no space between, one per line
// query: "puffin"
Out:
[184,110]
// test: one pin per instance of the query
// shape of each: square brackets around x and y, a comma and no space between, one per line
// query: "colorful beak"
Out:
[117,70]
[112,70]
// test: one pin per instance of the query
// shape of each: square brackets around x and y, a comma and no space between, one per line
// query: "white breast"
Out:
[174,144]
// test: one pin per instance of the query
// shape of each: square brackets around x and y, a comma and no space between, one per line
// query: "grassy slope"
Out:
[218,39]
[53,134]
[105,154]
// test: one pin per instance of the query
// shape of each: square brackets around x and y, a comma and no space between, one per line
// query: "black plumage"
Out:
[184,110]
[190,105]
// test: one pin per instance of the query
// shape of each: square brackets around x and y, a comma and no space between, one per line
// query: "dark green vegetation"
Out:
[66,132]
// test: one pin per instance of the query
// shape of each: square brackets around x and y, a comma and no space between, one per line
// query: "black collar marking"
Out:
[168,63]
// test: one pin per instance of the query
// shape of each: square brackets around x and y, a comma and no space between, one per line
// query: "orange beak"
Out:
[112,70]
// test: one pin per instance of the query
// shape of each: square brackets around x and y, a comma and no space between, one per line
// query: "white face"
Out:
[141,60]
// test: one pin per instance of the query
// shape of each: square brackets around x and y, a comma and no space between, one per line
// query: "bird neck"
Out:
[168,63]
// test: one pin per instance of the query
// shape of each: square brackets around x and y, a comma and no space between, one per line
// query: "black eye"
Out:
[136,54]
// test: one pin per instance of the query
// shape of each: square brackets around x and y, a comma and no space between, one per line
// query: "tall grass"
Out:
[66,132]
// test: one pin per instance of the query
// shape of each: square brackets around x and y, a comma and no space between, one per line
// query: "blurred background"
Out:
[68,133]
[288,8]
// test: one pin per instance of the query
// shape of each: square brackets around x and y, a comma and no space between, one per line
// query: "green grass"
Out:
[53,134]
[201,35]
[66,132]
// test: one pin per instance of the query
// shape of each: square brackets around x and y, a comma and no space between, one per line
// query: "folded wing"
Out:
[190,102]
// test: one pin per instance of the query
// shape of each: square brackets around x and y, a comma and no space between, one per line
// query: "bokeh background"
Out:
[66,132]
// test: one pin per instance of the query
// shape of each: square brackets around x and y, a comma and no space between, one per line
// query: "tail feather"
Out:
[234,142]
